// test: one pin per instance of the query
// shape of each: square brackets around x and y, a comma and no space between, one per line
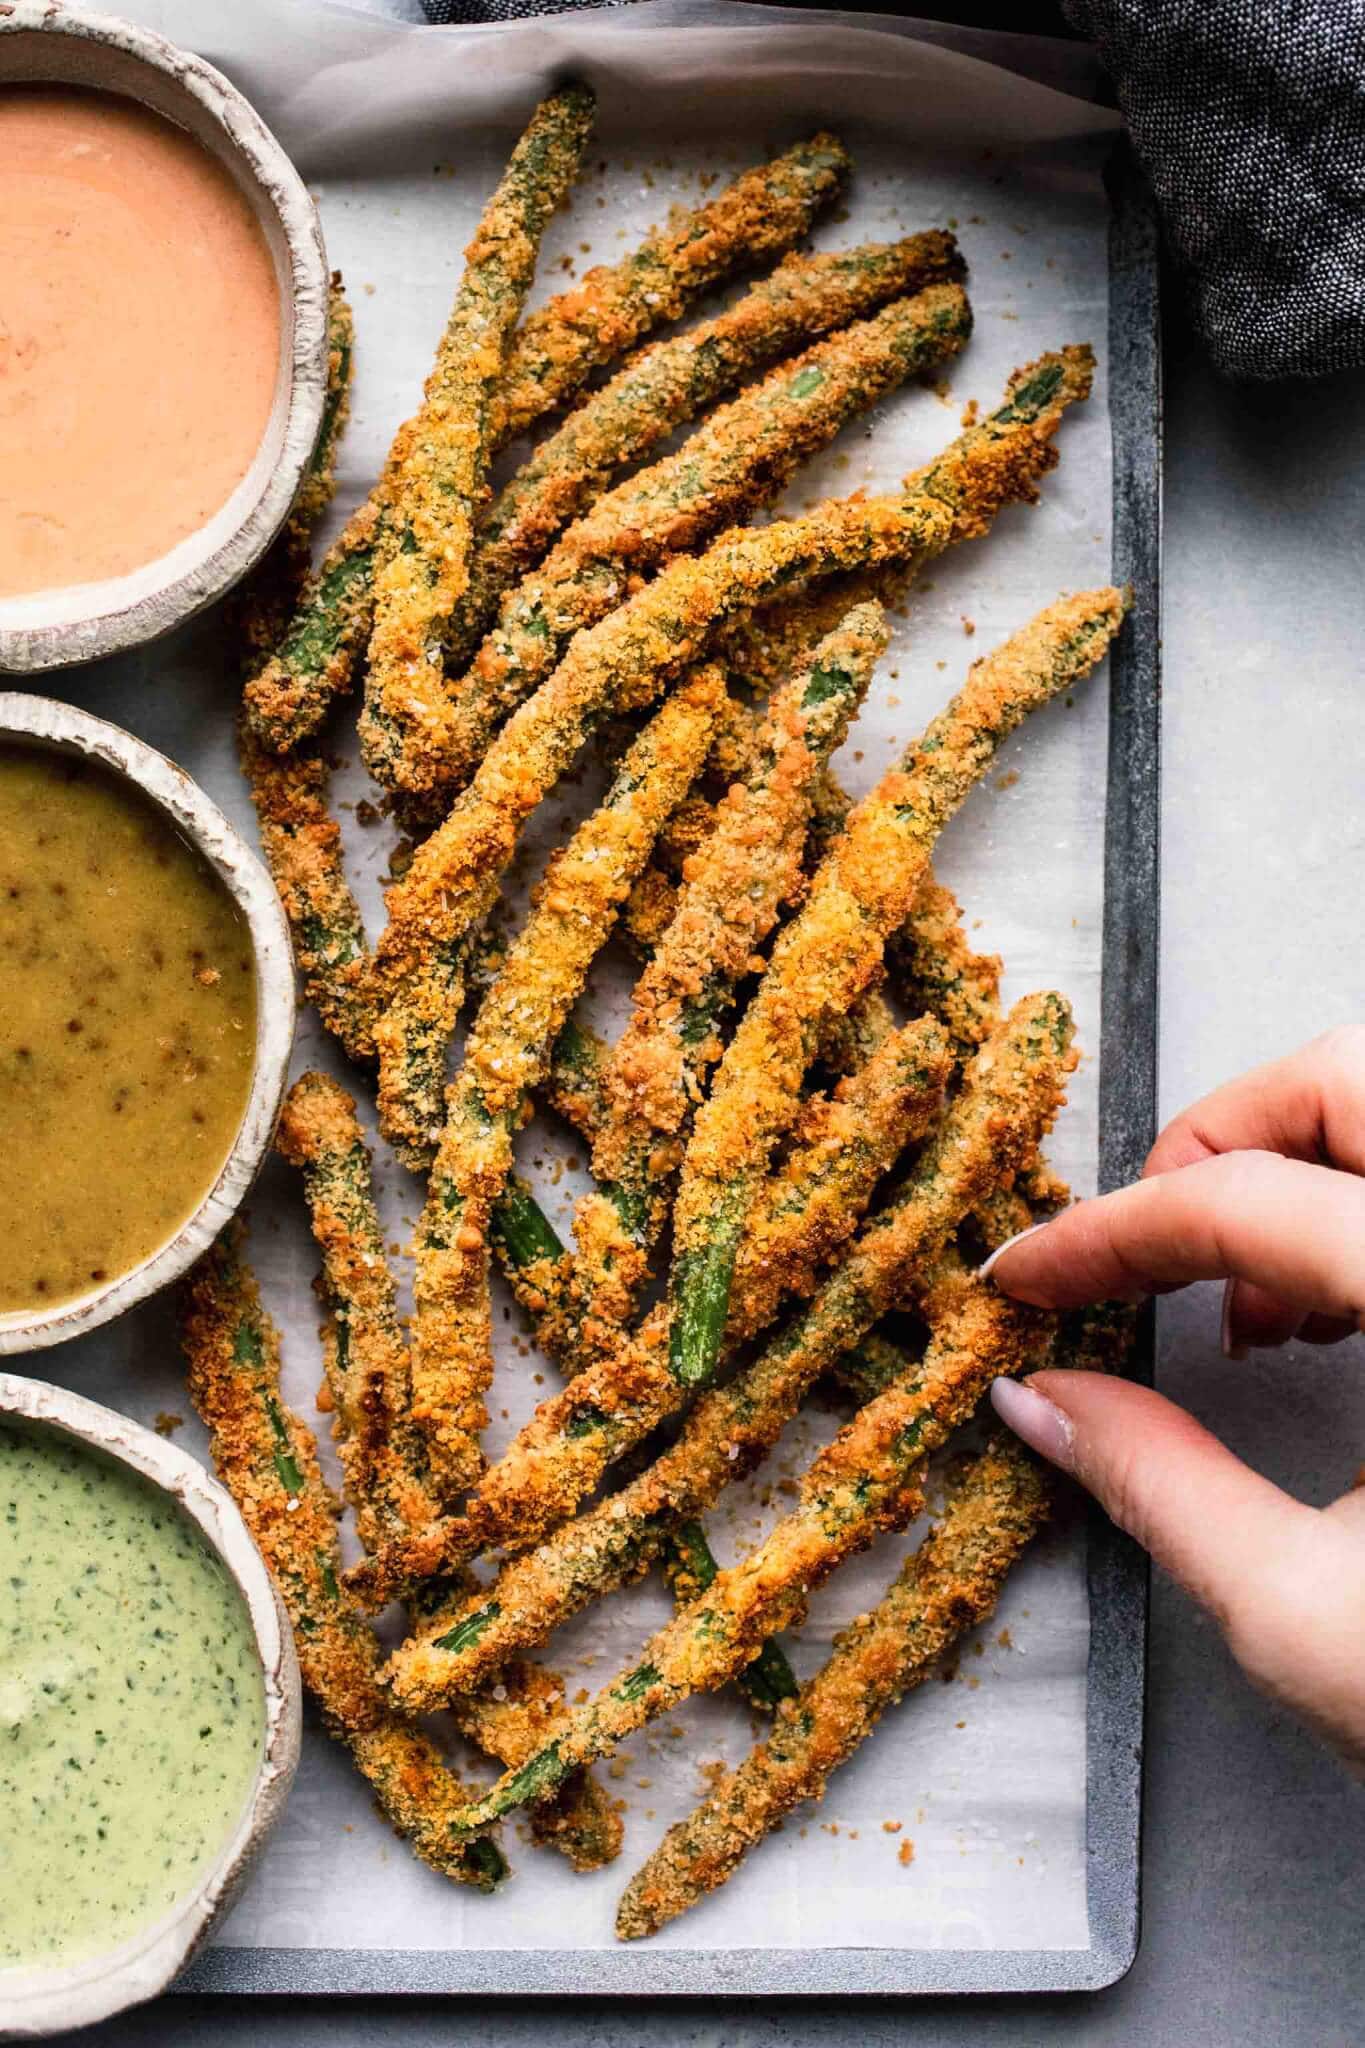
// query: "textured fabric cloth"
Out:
[1250,118]
[507,10]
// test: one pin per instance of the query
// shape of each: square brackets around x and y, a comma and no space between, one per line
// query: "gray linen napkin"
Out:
[1250,118]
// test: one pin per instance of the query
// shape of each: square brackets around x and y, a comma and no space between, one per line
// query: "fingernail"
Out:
[1037,1420]
[1231,1349]
[987,1266]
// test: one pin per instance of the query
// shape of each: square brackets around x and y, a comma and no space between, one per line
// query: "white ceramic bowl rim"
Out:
[46,721]
[41,2000]
[54,629]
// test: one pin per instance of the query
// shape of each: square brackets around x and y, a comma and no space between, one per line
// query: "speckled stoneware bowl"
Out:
[44,43]
[41,721]
[48,2000]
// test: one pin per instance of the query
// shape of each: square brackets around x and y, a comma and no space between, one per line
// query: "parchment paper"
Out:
[401,132]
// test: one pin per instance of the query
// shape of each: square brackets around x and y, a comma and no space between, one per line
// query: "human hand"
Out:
[1261,1185]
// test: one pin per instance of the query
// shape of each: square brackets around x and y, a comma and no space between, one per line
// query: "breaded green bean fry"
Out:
[931,966]
[866,1482]
[299,836]
[690,1567]
[267,1458]
[626,660]
[262,610]
[382,1454]
[950,1584]
[288,698]
[672,382]
[521,1708]
[831,952]
[843,1147]
[740,458]
[569,1442]
[573,1084]
[422,562]
[761,213]
[727,908]
[302,845]
[507,1054]
[1009,1098]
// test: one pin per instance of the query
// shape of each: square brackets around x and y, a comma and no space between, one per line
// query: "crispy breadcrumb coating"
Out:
[382,1454]
[866,1482]
[1010,1096]
[761,213]
[508,1053]
[950,1584]
[833,950]
[267,1458]
[628,658]
[260,612]
[671,382]
[739,459]
[733,888]
[423,554]
[301,841]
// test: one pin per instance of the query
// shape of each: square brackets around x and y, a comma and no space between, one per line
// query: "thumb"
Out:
[1286,1582]
[1208,1519]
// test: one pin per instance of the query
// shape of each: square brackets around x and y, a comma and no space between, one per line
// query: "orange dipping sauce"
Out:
[139,337]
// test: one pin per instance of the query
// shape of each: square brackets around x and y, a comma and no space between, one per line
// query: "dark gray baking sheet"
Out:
[1116,1569]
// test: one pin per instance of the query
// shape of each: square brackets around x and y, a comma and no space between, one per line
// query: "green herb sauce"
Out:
[132,1710]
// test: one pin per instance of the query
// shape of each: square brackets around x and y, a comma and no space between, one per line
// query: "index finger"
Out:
[1295,1229]
[1309,1105]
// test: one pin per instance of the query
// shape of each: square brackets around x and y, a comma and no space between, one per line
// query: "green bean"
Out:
[302,845]
[299,836]
[382,1454]
[727,908]
[262,610]
[670,383]
[314,663]
[833,950]
[740,458]
[268,1459]
[761,213]
[537,1269]
[626,660]
[865,1482]
[507,1054]
[518,1710]
[617,1397]
[950,1584]
[573,1085]
[1009,1098]
[423,553]
[931,966]
[844,1146]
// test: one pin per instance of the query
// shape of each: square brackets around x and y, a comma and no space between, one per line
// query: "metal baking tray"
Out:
[1116,1569]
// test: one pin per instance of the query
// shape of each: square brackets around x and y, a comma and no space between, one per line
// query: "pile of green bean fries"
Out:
[816,1118]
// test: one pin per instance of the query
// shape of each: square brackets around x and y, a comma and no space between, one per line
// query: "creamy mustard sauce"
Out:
[127,1027]
[132,1710]
[139,336]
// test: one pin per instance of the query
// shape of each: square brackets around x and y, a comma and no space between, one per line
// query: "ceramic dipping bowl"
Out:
[41,2000]
[41,721]
[43,42]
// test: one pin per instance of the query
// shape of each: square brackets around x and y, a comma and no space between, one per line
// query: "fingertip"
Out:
[987,1270]
[1037,1421]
